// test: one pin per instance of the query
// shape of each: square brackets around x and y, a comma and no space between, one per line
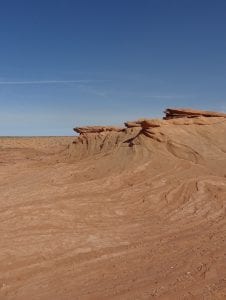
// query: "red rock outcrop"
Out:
[94,140]
[96,129]
[173,113]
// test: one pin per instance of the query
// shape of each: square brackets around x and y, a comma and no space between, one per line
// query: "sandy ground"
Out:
[153,228]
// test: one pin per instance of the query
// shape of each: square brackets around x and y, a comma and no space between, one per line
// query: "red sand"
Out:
[128,214]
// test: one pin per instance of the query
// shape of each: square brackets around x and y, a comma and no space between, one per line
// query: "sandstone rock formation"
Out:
[172,113]
[96,129]
[95,140]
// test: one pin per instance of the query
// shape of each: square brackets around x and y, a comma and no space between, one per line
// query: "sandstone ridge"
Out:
[96,129]
[170,113]
[168,131]
[173,113]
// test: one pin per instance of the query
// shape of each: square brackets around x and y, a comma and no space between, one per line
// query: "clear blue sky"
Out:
[75,62]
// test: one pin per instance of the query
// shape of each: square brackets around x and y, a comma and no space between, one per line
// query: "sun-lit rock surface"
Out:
[172,113]
[96,129]
[100,139]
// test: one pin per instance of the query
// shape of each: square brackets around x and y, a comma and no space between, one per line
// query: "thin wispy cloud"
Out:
[168,96]
[47,82]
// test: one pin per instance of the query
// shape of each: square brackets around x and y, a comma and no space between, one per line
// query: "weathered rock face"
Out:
[144,123]
[131,124]
[94,140]
[173,113]
[96,129]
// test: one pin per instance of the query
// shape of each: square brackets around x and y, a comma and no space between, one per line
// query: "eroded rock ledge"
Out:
[102,139]
[173,113]
[96,129]
[185,116]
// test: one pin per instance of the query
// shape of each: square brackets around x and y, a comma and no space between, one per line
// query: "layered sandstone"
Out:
[96,129]
[93,140]
[173,113]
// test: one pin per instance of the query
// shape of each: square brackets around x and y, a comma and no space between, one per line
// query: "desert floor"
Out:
[78,230]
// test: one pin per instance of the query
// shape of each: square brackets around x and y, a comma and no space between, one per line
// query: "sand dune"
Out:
[136,212]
